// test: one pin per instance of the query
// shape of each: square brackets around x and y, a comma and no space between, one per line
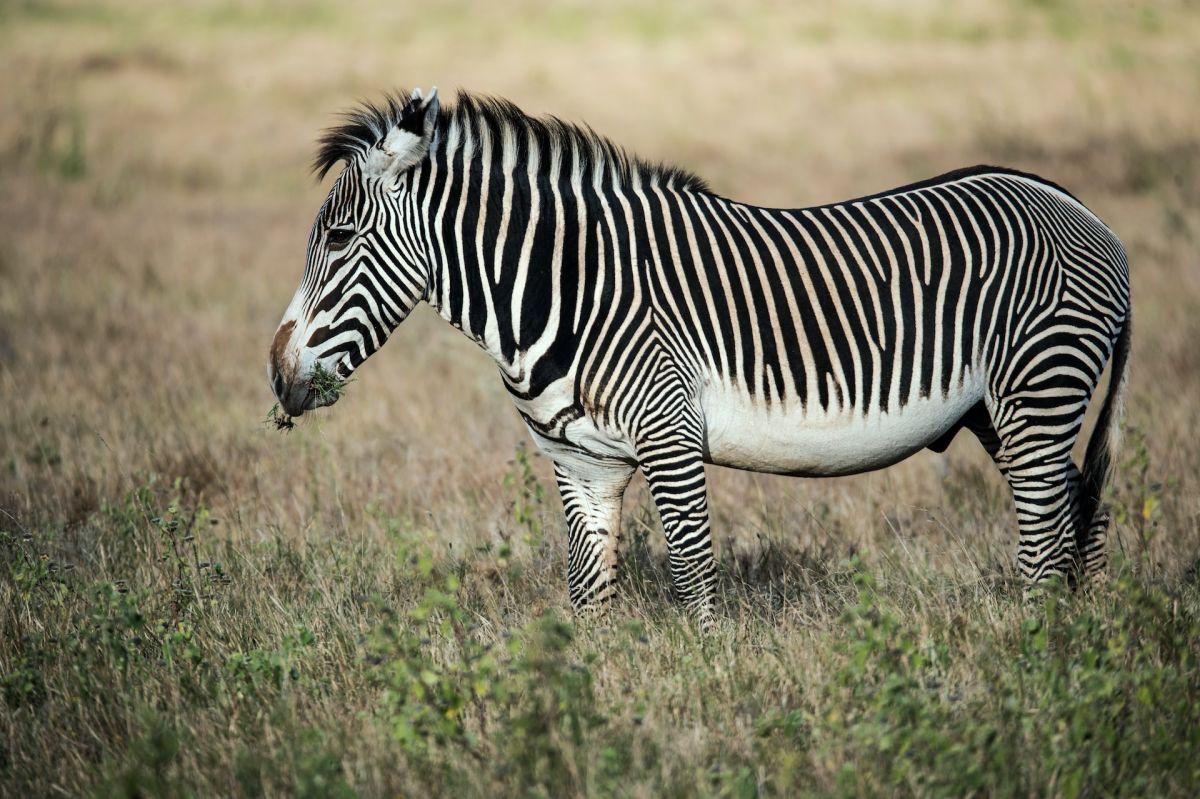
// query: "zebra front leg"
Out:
[675,474]
[591,492]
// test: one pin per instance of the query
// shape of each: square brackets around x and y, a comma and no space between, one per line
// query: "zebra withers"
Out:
[639,320]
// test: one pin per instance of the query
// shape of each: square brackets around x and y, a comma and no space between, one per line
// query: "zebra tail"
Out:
[1105,442]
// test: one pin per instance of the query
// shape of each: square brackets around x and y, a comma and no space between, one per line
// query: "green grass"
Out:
[192,605]
[329,386]
[298,668]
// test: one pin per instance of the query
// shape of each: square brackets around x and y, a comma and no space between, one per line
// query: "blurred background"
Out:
[155,199]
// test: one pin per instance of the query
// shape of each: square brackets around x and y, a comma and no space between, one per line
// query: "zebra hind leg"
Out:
[1060,510]
[591,492]
[1046,500]
[1093,548]
[1045,487]
[1099,459]
[979,422]
[1091,532]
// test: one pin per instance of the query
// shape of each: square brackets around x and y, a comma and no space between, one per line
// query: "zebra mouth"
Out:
[314,396]
[325,387]
[294,408]
[317,398]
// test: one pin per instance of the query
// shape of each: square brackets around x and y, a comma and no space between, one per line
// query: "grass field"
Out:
[192,603]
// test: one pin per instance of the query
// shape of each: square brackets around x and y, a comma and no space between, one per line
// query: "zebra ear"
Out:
[407,143]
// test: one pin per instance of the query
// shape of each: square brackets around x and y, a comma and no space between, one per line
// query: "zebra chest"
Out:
[746,434]
[562,426]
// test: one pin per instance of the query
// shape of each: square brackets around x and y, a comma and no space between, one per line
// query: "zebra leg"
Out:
[674,471]
[1046,516]
[1091,535]
[1035,458]
[1043,490]
[1045,485]
[1085,549]
[1089,548]
[591,492]
[1093,550]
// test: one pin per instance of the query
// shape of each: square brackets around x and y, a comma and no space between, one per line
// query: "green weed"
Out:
[528,496]
[329,386]
[455,700]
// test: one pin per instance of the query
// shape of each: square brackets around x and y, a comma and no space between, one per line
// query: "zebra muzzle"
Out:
[293,392]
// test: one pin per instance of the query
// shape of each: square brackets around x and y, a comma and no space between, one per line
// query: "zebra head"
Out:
[367,256]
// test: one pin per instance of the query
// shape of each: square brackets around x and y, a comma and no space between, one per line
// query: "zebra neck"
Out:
[531,262]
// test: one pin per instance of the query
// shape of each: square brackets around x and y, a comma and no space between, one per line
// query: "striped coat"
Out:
[639,320]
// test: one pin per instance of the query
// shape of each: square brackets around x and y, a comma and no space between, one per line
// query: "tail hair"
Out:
[1105,442]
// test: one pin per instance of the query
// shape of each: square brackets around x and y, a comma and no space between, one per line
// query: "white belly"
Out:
[790,440]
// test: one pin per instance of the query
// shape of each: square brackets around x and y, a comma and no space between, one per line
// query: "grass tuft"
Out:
[277,417]
[329,386]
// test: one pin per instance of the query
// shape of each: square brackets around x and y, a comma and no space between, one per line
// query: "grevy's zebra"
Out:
[640,320]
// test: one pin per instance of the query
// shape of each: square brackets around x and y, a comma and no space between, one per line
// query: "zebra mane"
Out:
[365,126]
[361,129]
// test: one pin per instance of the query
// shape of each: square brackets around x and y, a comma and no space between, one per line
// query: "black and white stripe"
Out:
[641,321]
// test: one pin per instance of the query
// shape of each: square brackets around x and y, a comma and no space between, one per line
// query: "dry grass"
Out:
[190,602]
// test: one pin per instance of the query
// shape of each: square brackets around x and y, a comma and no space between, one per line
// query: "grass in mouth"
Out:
[327,384]
[328,387]
[277,417]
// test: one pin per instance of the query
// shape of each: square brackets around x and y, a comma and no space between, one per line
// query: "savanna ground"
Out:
[192,603]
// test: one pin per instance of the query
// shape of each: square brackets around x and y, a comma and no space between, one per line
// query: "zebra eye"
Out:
[337,238]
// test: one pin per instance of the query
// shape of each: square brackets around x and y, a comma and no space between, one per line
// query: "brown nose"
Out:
[281,373]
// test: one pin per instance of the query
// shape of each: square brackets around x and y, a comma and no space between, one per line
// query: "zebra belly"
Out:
[745,434]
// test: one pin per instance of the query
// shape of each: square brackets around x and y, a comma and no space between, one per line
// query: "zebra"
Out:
[640,320]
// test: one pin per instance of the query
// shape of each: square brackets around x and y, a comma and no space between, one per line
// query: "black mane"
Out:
[361,129]
[365,126]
